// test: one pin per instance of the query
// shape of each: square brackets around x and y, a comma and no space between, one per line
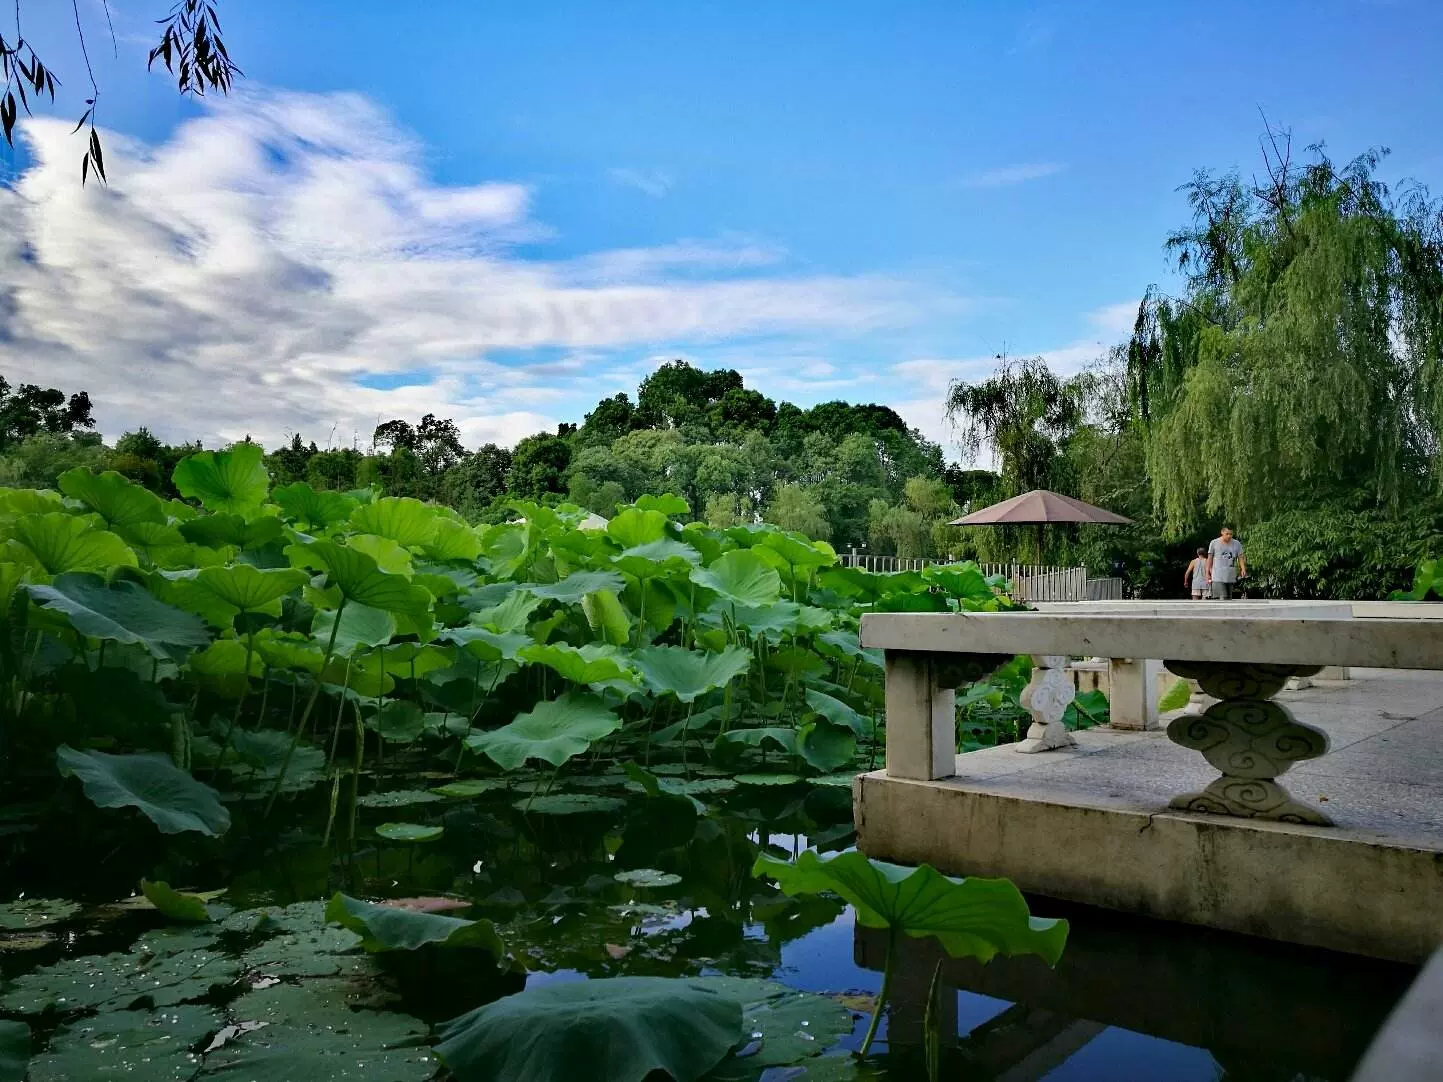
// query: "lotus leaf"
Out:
[617,1029]
[452,541]
[668,504]
[647,878]
[228,529]
[505,547]
[799,552]
[120,502]
[398,798]
[355,626]
[393,558]
[785,1027]
[826,744]
[386,928]
[135,1045]
[838,712]
[233,480]
[607,616]
[302,503]
[14,1050]
[156,971]
[361,581]
[766,780]
[553,732]
[174,904]
[960,580]
[636,526]
[407,522]
[314,1032]
[123,612]
[775,735]
[400,721]
[577,585]
[689,673]
[409,832]
[59,542]
[488,645]
[594,663]
[741,577]
[570,804]
[168,796]
[28,501]
[837,781]
[27,913]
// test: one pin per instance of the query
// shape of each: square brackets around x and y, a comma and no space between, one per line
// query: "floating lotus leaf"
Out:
[618,1029]
[647,878]
[360,580]
[119,501]
[174,904]
[553,732]
[689,673]
[467,788]
[123,612]
[27,913]
[386,928]
[168,796]
[59,542]
[834,781]
[14,1050]
[766,780]
[138,1046]
[972,918]
[741,577]
[158,970]
[233,480]
[570,804]
[398,798]
[302,503]
[409,832]
[313,1032]
[783,1027]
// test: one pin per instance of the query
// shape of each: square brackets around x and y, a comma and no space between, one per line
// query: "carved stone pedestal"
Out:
[1046,699]
[1249,738]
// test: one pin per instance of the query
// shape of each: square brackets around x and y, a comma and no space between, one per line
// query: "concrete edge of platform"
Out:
[1309,885]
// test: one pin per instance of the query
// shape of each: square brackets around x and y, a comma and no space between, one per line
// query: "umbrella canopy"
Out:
[1039,508]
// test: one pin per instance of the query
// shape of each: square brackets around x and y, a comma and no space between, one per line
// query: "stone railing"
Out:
[1240,655]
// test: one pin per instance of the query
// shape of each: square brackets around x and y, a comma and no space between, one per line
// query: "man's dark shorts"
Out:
[1224,591]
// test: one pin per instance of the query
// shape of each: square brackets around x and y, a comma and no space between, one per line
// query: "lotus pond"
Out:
[314,785]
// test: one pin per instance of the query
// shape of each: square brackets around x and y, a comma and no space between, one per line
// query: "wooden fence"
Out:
[1030,582]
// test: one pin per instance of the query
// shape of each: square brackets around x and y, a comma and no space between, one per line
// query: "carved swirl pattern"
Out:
[1249,739]
[1047,696]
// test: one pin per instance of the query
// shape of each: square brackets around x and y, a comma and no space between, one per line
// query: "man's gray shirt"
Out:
[1225,556]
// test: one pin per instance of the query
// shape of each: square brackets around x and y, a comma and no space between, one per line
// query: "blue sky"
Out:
[841,200]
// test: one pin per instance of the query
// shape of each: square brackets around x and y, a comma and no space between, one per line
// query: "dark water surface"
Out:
[1131,999]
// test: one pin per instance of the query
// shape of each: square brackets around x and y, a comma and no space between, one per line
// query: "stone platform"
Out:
[1091,824]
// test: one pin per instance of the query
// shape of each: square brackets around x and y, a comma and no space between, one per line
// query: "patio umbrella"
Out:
[1039,508]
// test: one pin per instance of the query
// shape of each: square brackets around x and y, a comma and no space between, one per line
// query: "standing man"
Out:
[1225,564]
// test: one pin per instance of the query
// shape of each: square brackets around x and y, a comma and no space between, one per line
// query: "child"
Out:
[1196,576]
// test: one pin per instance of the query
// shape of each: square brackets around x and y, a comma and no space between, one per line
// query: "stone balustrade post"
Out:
[1132,693]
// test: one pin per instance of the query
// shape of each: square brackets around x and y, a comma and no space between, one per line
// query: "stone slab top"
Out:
[1233,636]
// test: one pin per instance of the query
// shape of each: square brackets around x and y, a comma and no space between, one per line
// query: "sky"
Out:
[500,213]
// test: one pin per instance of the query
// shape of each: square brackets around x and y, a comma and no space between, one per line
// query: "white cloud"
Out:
[652,182]
[1115,321]
[1008,175]
[277,260]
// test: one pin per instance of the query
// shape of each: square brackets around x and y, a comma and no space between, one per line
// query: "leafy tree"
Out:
[478,480]
[38,461]
[29,409]
[538,466]
[612,418]
[797,508]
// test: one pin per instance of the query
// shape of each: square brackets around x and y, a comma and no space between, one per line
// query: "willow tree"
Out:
[1303,362]
[1024,412]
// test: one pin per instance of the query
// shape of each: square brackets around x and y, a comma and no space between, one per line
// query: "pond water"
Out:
[1131,999]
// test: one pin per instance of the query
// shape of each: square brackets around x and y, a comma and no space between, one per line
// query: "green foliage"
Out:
[168,796]
[619,1029]
[174,904]
[385,928]
[235,481]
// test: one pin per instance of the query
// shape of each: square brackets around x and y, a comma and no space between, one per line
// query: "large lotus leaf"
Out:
[852,582]
[175,904]
[168,796]
[689,673]
[227,528]
[302,503]
[120,502]
[233,480]
[59,542]
[570,804]
[971,918]
[288,650]
[834,710]
[742,577]
[577,585]
[26,913]
[251,589]
[773,735]
[390,556]
[513,613]
[404,520]
[667,549]
[122,612]
[221,667]
[959,580]
[388,928]
[594,663]
[28,501]
[785,617]
[14,1050]
[668,504]
[618,1029]
[553,732]
[412,660]
[359,626]
[826,744]
[138,1046]
[799,552]
[607,616]
[360,580]
[360,673]
[635,526]
[506,547]
[315,1031]
[452,541]
[488,645]
[400,721]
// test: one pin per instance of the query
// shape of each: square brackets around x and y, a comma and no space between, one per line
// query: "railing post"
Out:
[1132,693]
[921,719]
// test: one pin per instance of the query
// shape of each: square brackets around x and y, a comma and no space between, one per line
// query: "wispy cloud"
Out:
[1007,176]
[652,182]
[256,271]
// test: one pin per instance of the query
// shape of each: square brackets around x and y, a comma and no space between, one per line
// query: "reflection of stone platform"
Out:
[1092,824]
